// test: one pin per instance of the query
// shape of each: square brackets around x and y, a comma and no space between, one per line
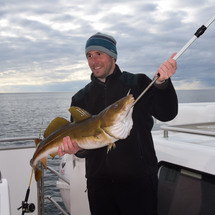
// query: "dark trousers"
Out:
[137,197]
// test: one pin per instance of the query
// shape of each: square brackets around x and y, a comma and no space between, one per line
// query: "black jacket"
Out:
[135,156]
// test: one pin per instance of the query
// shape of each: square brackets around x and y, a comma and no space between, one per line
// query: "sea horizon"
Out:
[80,88]
[184,95]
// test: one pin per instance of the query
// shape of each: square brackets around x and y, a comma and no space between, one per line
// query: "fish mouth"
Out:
[130,103]
[130,106]
[122,123]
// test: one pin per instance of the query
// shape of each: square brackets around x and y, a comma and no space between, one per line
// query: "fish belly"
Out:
[96,141]
[44,154]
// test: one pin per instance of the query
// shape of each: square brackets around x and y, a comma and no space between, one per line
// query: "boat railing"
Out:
[207,129]
[40,184]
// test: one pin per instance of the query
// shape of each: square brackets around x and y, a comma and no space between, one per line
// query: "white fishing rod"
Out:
[198,33]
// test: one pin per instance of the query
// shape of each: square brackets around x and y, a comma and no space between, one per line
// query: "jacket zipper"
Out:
[107,157]
[105,95]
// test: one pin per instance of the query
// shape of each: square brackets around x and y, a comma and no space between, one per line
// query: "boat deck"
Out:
[190,145]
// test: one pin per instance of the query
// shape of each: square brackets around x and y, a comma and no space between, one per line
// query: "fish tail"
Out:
[38,174]
[37,141]
[31,162]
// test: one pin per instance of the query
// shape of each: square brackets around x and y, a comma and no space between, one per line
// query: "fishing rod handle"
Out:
[27,194]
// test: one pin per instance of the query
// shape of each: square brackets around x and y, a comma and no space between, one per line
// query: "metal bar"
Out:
[186,130]
[12,139]
[165,134]
[38,199]
[57,174]
[56,204]
[40,192]
[16,147]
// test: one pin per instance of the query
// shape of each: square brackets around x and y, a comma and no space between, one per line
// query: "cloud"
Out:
[42,42]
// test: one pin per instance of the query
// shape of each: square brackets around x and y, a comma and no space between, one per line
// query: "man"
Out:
[124,181]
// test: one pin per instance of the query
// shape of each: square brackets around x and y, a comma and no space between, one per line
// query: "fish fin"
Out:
[79,114]
[110,146]
[129,92]
[38,174]
[98,133]
[37,141]
[53,155]
[44,162]
[55,124]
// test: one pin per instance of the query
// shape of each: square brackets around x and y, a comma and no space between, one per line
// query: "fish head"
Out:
[117,118]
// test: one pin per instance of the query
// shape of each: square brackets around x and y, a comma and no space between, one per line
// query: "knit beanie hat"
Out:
[102,42]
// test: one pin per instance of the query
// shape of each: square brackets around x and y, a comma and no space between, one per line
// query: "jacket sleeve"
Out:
[164,102]
[160,101]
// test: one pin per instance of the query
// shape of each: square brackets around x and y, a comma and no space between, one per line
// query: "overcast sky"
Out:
[42,42]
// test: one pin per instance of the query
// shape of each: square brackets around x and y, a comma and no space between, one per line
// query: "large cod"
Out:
[89,131]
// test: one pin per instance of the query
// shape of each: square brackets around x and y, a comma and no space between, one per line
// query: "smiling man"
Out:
[101,55]
[124,181]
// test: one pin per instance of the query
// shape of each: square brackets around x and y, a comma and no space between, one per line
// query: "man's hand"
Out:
[69,147]
[167,69]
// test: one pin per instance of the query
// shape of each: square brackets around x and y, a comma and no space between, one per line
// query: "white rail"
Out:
[191,129]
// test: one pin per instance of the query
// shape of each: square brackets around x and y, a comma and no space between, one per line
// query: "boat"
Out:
[185,148]
[4,196]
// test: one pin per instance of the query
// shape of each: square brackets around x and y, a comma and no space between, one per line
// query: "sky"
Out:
[42,43]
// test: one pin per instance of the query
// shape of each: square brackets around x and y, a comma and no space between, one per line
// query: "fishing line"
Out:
[32,171]
[197,34]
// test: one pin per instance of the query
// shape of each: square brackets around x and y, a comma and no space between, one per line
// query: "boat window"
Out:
[184,191]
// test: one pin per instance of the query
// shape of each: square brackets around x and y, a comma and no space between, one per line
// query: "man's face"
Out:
[101,64]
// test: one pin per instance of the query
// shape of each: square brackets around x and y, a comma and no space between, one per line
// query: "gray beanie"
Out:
[102,42]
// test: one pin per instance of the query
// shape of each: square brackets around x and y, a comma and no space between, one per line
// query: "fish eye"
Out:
[116,105]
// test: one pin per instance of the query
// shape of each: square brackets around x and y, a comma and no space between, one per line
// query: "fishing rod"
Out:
[27,207]
[197,34]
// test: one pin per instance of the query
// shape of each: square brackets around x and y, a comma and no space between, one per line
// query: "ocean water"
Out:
[191,96]
[28,114]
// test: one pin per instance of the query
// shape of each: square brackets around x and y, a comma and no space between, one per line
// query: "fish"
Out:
[89,131]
